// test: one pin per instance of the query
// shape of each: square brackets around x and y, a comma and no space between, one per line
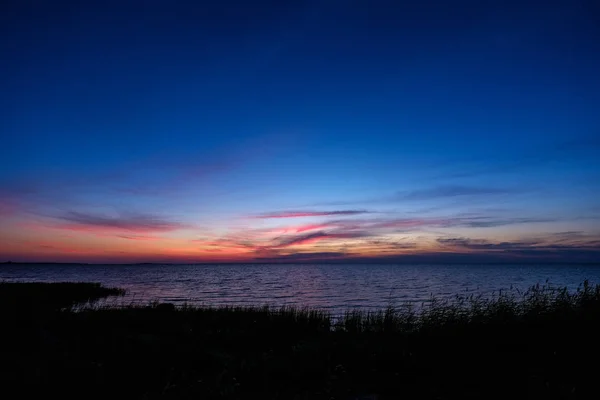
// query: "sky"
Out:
[300,131]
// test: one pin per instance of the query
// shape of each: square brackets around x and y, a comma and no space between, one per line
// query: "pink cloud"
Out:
[309,227]
[292,229]
[316,237]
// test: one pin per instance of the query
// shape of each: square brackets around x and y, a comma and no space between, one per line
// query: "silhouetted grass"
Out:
[542,343]
[539,303]
[56,295]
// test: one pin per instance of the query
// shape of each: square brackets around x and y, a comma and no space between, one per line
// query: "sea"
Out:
[333,287]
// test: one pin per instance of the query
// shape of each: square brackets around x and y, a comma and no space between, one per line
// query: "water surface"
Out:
[333,287]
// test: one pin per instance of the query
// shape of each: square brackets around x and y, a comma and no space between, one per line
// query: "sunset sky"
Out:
[276,131]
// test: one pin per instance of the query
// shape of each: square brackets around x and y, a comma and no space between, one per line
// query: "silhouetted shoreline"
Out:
[534,345]
[341,262]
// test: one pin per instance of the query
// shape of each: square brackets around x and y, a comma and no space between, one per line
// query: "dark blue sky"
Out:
[192,123]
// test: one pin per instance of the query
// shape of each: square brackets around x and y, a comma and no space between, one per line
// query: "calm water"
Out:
[335,287]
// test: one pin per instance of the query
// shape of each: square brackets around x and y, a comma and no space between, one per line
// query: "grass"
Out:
[35,296]
[542,343]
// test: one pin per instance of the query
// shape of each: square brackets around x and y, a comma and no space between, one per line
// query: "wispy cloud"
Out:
[138,237]
[315,237]
[406,224]
[341,229]
[358,235]
[126,222]
[428,193]
[226,243]
[450,191]
[483,244]
[156,179]
[489,222]
[323,256]
[309,227]
[298,214]
[530,246]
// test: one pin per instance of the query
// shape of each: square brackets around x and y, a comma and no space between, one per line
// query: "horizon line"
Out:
[529,262]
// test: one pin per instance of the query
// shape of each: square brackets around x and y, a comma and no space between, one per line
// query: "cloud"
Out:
[138,237]
[404,224]
[162,178]
[488,222]
[309,227]
[436,192]
[407,223]
[335,234]
[450,191]
[325,256]
[569,234]
[226,243]
[537,249]
[482,244]
[315,237]
[293,228]
[392,245]
[298,214]
[539,246]
[130,222]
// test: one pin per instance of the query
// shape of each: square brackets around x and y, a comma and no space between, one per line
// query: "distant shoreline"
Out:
[309,263]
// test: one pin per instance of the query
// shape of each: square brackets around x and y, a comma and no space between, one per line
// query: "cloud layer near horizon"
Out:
[128,222]
[300,132]
[296,234]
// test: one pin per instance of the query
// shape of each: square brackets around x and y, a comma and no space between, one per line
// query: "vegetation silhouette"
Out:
[538,344]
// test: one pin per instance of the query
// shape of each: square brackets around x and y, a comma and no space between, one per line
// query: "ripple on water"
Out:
[331,287]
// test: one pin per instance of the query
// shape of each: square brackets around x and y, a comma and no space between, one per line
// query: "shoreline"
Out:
[536,346]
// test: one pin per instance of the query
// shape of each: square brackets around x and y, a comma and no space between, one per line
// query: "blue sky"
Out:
[171,131]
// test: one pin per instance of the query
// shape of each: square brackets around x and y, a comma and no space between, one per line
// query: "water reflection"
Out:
[334,287]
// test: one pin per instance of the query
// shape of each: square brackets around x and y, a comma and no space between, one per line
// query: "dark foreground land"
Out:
[540,344]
